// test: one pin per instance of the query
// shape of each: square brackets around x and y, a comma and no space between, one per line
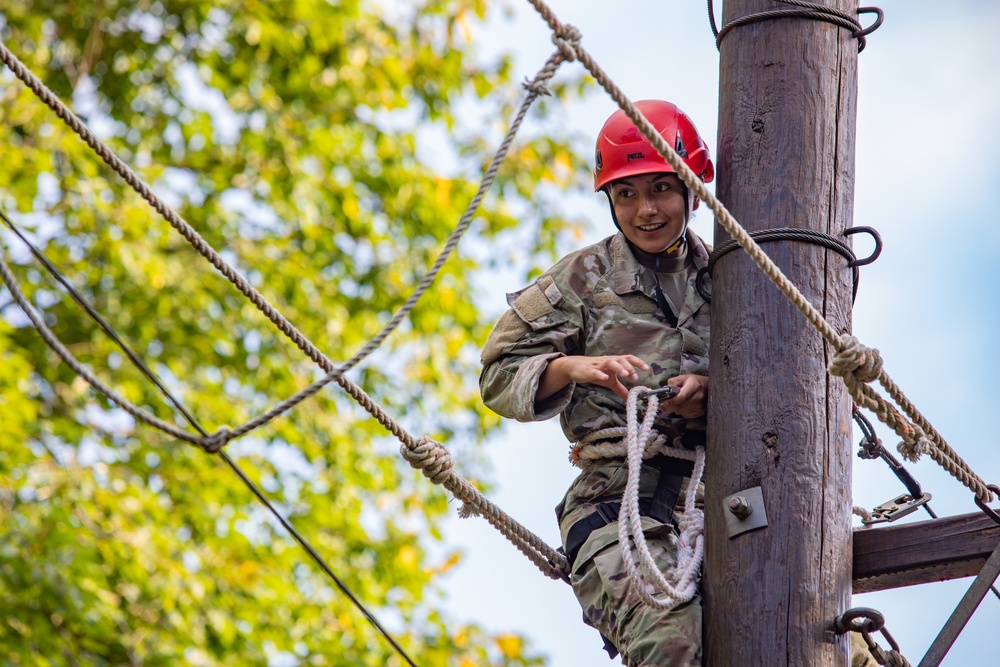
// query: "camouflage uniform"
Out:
[601,301]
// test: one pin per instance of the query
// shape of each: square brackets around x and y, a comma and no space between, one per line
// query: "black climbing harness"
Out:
[659,507]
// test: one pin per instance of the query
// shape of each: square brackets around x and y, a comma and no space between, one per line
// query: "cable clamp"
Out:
[897,508]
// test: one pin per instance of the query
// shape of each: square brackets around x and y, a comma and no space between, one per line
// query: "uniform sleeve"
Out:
[542,324]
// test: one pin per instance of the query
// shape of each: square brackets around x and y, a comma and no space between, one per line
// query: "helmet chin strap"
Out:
[675,245]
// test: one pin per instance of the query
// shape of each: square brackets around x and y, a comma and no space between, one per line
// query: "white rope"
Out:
[680,583]
[569,40]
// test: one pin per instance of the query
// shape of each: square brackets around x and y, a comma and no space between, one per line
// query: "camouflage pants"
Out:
[646,637]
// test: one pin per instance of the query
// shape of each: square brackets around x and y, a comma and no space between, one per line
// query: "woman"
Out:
[621,313]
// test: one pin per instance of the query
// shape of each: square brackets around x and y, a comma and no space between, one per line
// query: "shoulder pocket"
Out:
[508,330]
[537,304]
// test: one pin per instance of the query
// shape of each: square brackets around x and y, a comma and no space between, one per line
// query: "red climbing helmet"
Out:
[623,151]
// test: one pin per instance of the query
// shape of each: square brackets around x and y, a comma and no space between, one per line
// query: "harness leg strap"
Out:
[668,488]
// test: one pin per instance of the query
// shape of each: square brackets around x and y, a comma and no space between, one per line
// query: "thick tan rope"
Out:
[535,87]
[917,438]
[612,443]
[547,559]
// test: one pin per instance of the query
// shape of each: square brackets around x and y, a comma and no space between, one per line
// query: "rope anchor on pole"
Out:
[866,621]
[987,510]
[902,505]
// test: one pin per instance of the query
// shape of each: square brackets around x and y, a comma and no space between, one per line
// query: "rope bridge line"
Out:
[39,323]
[429,456]
[855,363]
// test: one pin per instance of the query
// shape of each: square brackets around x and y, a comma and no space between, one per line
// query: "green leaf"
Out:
[287,135]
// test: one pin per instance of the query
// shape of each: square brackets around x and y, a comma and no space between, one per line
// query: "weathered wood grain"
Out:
[788,92]
[919,553]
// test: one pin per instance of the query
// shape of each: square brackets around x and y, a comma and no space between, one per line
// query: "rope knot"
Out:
[215,442]
[430,457]
[536,86]
[567,38]
[857,360]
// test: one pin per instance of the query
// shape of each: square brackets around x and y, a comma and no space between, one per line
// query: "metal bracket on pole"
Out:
[745,511]
[963,612]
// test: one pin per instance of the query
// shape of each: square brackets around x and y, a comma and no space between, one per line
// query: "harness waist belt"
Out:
[660,507]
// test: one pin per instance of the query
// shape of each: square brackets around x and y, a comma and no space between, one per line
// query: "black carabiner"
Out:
[669,391]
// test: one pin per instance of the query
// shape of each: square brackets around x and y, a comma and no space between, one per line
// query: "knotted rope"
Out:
[681,583]
[858,365]
[932,442]
[435,462]
[567,38]
[547,559]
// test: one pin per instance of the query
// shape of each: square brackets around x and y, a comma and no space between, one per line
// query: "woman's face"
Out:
[650,210]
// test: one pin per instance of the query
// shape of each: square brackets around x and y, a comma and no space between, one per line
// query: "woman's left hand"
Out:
[692,399]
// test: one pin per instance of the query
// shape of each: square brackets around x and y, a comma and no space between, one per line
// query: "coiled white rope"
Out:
[681,582]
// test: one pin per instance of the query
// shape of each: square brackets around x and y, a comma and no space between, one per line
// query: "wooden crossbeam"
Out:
[918,553]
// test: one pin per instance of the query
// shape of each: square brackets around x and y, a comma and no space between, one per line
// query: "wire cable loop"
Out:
[875,236]
[792,234]
[876,24]
[807,10]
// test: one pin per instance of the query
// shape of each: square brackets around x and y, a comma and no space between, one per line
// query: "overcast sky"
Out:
[927,179]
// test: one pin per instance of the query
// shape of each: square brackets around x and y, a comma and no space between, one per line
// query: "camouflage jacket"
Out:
[596,301]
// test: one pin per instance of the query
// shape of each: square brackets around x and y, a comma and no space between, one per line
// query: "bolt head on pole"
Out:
[745,511]
[740,507]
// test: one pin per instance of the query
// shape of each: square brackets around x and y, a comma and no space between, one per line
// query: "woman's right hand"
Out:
[602,371]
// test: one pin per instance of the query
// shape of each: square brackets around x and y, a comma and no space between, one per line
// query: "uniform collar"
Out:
[630,276]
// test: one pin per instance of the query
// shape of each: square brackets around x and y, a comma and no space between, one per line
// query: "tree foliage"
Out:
[294,136]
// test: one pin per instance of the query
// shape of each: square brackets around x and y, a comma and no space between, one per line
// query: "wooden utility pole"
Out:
[788,91]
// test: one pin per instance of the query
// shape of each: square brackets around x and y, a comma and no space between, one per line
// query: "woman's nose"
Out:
[647,205]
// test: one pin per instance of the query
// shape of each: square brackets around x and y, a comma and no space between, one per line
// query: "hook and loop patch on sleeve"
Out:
[537,301]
